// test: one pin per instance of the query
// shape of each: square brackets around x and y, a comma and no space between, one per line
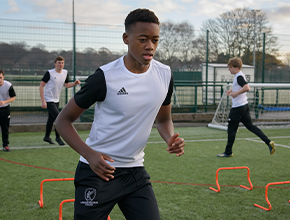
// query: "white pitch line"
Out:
[271,137]
[160,142]
[248,139]
[207,140]
[37,147]
[280,145]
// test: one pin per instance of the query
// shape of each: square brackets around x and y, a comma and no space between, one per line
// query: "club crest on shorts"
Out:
[90,194]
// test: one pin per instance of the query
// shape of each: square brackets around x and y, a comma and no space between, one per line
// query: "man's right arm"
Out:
[242,83]
[44,80]
[94,90]
[41,92]
[65,128]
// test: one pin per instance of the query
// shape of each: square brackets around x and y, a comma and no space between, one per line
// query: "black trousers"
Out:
[237,115]
[130,189]
[4,123]
[52,115]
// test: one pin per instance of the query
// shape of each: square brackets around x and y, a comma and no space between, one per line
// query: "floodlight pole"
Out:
[206,70]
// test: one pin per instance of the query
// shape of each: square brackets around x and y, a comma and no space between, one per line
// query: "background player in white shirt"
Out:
[240,111]
[50,89]
[130,93]
[7,95]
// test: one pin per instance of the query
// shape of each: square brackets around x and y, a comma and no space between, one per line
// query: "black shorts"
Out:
[130,188]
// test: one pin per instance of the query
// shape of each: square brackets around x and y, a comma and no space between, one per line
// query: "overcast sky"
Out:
[115,11]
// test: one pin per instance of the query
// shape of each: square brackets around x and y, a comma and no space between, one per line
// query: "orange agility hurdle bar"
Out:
[266,195]
[60,206]
[40,202]
[69,200]
[232,168]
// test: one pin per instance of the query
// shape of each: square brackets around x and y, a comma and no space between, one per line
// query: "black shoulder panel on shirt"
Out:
[241,81]
[46,77]
[167,100]
[94,90]
[11,92]
[66,79]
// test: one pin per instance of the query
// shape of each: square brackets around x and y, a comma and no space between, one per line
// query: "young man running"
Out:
[130,93]
[50,89]
[7,95]
[240,111]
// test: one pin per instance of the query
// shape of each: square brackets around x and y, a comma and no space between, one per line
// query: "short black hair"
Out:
[2,72]
[140,15]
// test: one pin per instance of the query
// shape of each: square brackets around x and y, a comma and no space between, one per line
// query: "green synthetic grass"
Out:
[181,184]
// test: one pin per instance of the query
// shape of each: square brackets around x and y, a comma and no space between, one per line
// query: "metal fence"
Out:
[30,47]
[28,50]
[26,109]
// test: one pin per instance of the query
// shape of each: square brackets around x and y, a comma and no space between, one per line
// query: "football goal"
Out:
[269,106]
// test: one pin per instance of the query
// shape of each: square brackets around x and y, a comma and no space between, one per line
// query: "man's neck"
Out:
[237,72]
[134,66]
[58,71]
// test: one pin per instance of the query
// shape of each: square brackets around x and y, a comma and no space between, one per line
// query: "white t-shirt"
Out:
[54,83]
[126,110]
[6,92]
[241,99]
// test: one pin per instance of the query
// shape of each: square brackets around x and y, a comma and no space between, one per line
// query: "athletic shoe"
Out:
[271,146]
[224,155]
[6,148]
[59,141]
[47,139]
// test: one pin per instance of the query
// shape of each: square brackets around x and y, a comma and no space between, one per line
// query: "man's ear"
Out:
[125,38]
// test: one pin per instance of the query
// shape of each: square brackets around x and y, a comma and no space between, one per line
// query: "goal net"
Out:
[269,106]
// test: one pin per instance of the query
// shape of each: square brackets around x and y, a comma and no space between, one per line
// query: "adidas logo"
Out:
[122,92]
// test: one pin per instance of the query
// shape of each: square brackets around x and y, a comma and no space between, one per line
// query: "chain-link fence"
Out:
[28,50]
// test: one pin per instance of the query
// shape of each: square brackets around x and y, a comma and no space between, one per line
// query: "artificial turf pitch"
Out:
[181,184]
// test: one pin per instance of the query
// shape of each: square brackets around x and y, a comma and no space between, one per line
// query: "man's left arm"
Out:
[245,87]
[12,97]
[166,130]
[72,84]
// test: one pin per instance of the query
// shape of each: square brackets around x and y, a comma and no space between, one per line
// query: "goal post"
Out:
[269,106]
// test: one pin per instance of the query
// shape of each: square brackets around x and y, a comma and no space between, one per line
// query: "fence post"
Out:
[195,98]
[206,70]
[74,55]
[66,96]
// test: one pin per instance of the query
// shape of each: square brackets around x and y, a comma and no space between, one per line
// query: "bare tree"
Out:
[176,46]
[232,34]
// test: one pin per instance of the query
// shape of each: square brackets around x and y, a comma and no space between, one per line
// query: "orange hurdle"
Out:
[266,195]
[69,200]
[232,168]
[40,202]
[60,206]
